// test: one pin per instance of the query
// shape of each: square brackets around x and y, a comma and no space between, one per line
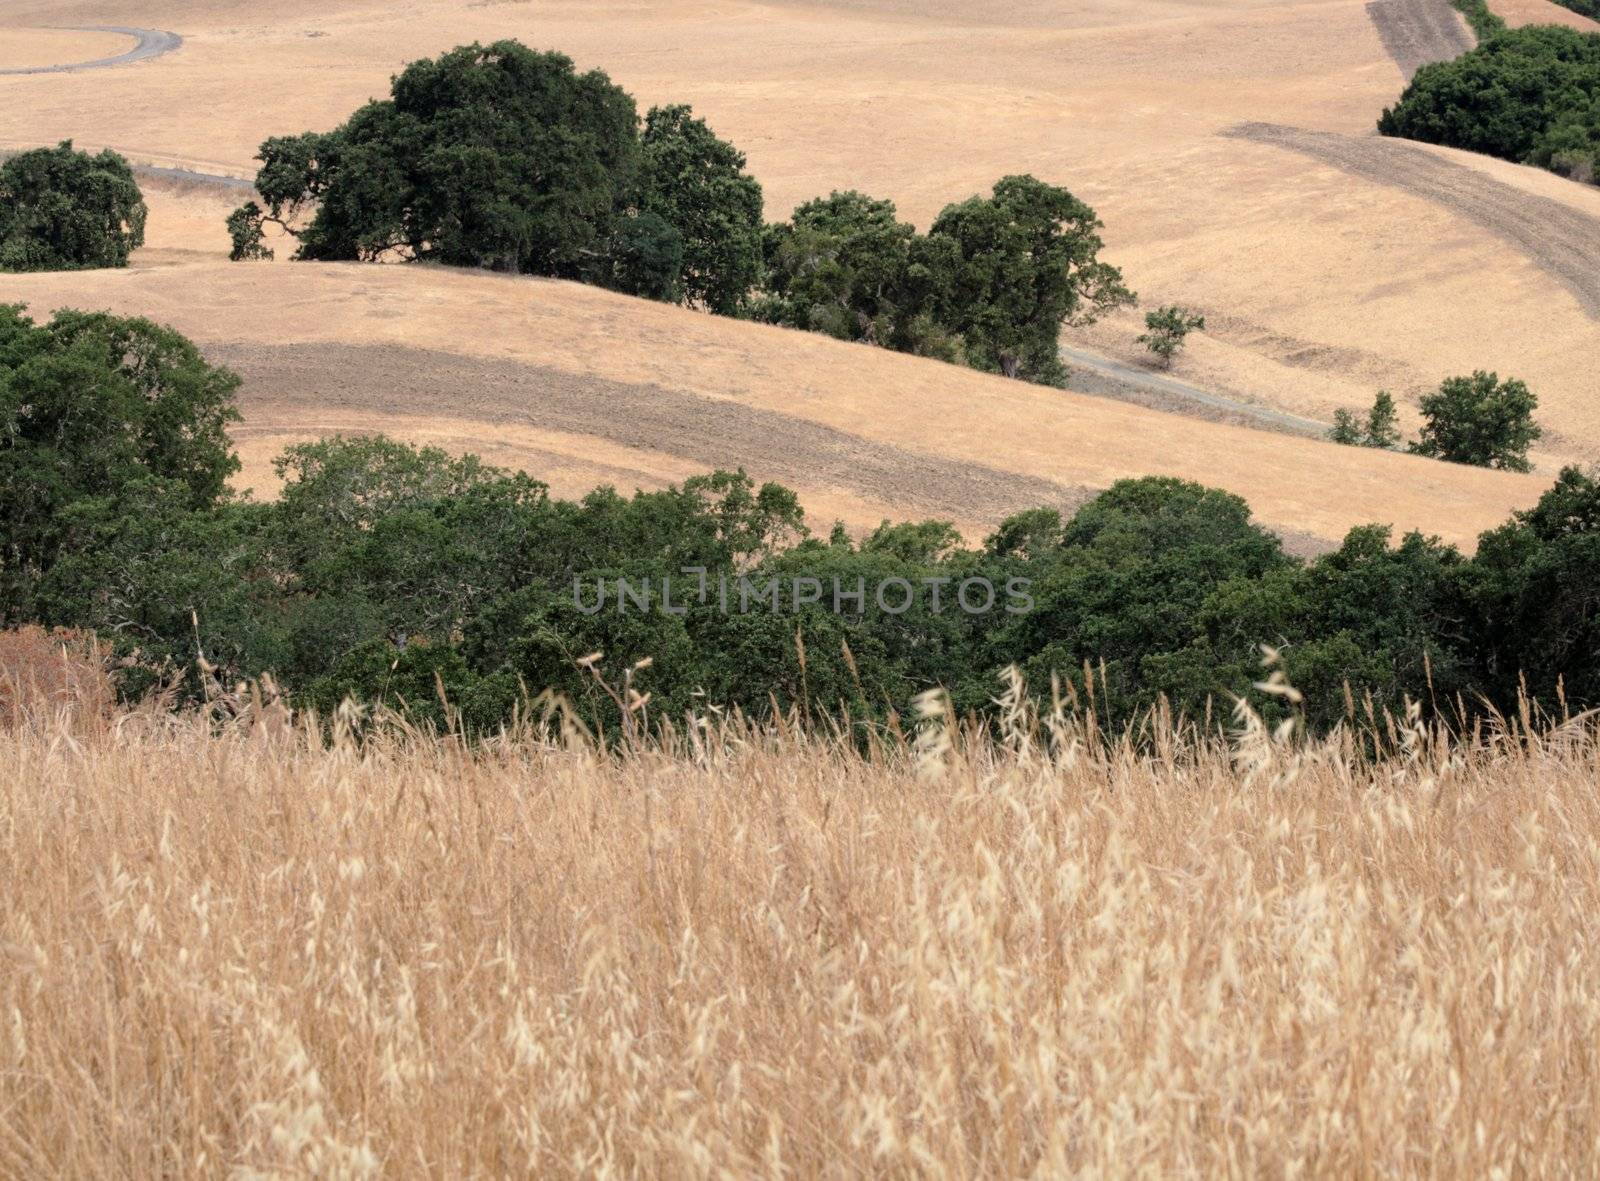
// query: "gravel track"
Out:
[1562,241]
[1094,374]
[150,43]
[1417,33]
[205,180]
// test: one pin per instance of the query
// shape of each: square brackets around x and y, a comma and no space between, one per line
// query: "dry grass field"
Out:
[1323,276]
[246,952]
[580,385]
[264,948]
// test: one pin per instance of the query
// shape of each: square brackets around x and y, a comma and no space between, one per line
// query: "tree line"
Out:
[1530,95]
[387,573]
[504,158]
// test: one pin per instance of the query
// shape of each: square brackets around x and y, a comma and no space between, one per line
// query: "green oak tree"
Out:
[1479,420]
[697,184]
[847,266]
[1166,330]
[63,210]
[90,405]
[1026,262]
[489,156]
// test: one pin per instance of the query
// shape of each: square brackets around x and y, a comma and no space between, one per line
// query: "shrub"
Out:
[1167,329]
[1381,428]
[1479,420]
[63,210]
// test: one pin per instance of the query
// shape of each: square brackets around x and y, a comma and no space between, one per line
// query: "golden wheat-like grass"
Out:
[245,951]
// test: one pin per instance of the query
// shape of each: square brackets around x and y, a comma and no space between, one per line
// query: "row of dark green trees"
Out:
[1531,95]
[507,159]
[386,573]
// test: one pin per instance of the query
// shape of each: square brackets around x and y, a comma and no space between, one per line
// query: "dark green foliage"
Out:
[500,157]
[1536,585]
[1166,330]
[844,265]
[1485,23]
[1026,261]
[1124,587]
[452,590]
[1347,430]
[410,578]
[1531,95]
[165,582]
[991,284]
[1384,621]
[63,210]
[92,409]
[503,158]
[1479,420]
[696,183]
[645,258]
[1383,422]
[246,230]
[489,156]
[1381,428]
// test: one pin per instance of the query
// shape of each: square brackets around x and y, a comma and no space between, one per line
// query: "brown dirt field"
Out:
[315,386]
[1418,32]
[478,347]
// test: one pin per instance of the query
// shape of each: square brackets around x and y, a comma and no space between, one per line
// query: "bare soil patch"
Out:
[304,381]
[1419,32]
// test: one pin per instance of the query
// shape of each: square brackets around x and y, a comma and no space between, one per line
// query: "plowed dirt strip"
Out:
[1562,241]
[708,432]
[1418,32]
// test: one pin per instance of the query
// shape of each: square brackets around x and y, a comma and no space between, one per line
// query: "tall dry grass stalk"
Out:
[249,952]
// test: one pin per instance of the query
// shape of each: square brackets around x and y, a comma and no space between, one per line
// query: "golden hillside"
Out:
[1226,145]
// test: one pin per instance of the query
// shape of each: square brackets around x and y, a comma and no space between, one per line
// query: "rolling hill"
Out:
[1328,263]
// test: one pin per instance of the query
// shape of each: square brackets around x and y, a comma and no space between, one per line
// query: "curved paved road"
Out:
[149,43]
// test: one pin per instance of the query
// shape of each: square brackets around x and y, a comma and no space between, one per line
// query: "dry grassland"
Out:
[22,49]
[1320,285]
[582,386]
[247,953]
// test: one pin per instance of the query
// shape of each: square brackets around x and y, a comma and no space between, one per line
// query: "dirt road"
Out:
[1418,32]
[149,43]
[1559,239]
[1094,374]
